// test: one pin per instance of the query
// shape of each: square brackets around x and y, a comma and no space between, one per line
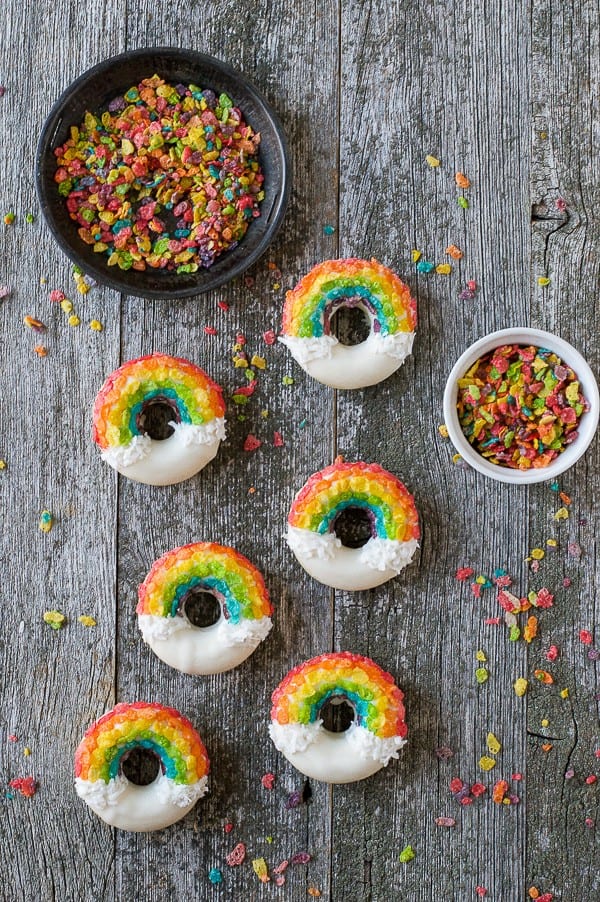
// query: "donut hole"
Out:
[337,714]
[155,417]
[141,766]
[200,607]
[353,526]
[350,324]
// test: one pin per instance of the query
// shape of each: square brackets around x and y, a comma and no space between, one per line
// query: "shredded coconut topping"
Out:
[387,554]
[290,738]
[313,544]
[305,349]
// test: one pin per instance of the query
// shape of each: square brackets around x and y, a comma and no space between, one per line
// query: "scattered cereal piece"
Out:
[29,218]
[277,440]
[210,330]
[27,752]
[46,521]
[9,218]
[259,362]
[564,693]
[74,320]
[445,821]
[552,653]
[493,744]
[546,746]
[215,876]
[443,430]
[269,337]
[432,161]
[268,780]
[96,325]
[425,266]
[537,554]
[252,443]
[259,866]
[314,892]
[499,791]
[454,252]
[464,573]
[85,620]
[530,630]
[328,230]
[486,763]
[461,180]
[407,854]
[4,291]
[237,855]
[561,514]
[463,202]
[544,677]
[41,350]
[287,380]
[415,255]
[478,789]
[543,281]
[300,858]
[481,675]
[444,269]
[481,891]
[56,296]
[54,619]
[591,779]
[66,305]
[32,323]
[27,786]
[480,655]
[586,637]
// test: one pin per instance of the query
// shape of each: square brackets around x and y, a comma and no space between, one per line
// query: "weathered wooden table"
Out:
[507,93]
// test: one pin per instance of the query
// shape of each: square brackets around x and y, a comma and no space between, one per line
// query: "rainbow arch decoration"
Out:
[196,400]
[376,699]
[164,731]
[388,502]
[310,305]
[218,569]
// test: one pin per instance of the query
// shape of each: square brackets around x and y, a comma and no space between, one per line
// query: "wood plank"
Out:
[561,848]
[232,710]
[454,85]
[53,684]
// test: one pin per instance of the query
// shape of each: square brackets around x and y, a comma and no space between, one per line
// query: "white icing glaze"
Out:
[351,366]
[202,650]
[334,757]
[173,460]
[140,808]
[353,569]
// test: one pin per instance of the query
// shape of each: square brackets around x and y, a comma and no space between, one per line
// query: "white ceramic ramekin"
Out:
[569,356]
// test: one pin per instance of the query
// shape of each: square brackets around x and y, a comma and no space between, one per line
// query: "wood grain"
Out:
[506,93]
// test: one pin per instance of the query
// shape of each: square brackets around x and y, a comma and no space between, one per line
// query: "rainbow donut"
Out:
[374,736]
[163,732]
[125,402]
[365,284]
[245,609]
[353,487]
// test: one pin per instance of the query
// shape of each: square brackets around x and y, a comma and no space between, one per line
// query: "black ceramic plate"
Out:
[93,91]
